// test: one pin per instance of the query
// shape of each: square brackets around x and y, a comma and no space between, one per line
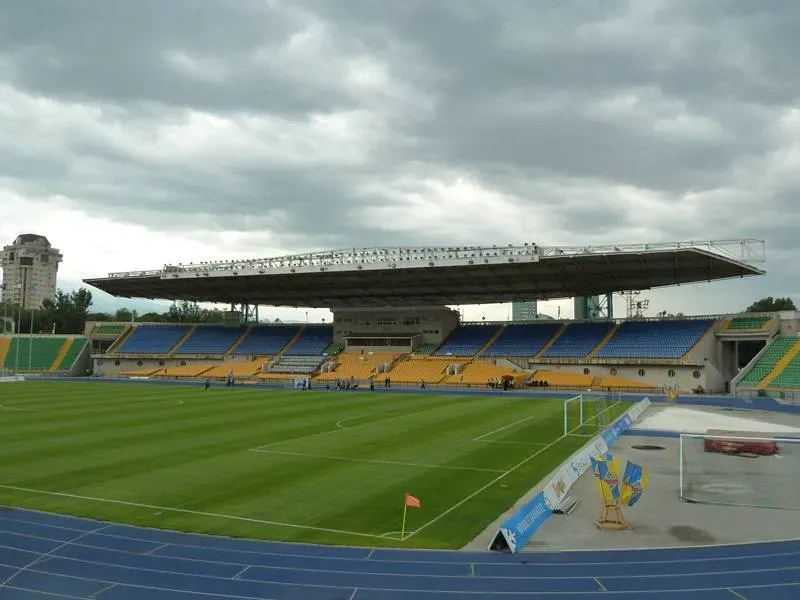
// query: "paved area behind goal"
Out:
[661,519]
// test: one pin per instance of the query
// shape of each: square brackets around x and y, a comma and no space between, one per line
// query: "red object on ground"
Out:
[740,442]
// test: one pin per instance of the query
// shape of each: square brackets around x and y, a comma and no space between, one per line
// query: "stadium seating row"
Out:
[364,367]
[748,323]
[778,367]
[292,340]
[667,339]
[40,353]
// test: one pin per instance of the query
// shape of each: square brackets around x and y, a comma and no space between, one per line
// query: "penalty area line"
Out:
[377,461]
[184,511]
[497,479]
[340,428]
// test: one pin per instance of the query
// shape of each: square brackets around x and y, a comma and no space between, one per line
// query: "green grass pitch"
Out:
[317,466]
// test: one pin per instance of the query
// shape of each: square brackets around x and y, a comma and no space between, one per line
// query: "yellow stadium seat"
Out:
[237,369]
[356,365]
[480,372]
[431,370]
[188,371]
[619,383]
[557,379]
[146,372]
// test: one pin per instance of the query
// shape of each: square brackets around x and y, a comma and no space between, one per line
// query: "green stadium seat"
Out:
[35,354]
[776,350]
[749,323]
[74,351]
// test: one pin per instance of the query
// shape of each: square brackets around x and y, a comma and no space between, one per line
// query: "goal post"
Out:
[740,469]
[573,413]
[587,414]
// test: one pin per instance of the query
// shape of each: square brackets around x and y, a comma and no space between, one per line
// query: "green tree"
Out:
[184,312]
[99,316]
[770,304]
[191,312]
[67,313]
[123,315]
[151,317]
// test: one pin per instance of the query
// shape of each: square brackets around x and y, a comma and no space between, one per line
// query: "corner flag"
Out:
[412,502]
[409,501]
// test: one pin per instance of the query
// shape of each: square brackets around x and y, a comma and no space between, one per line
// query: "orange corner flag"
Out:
[412,502]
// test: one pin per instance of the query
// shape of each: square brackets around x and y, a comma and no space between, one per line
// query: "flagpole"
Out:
[403,527]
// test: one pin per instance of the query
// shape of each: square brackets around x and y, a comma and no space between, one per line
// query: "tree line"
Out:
[68,312]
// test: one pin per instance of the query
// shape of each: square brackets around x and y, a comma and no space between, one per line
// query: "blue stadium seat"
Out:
[153,339]
[578,340]
[210,339]
[466,340]
[522,340]
[312,342]
[655,339]
[266,340]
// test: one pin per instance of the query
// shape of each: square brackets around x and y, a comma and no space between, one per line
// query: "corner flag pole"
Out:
[403,527]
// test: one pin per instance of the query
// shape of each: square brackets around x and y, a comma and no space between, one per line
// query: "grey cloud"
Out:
[582,121]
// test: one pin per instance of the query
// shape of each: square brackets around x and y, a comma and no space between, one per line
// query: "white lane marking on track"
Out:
[595,563]
[42,557]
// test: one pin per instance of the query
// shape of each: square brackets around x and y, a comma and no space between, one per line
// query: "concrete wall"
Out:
[686,377]
[112,365]
[433,323]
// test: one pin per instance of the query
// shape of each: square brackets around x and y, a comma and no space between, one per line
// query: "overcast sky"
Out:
[137,133]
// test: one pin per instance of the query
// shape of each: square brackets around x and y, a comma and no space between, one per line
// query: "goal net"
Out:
[587,414]
[740,469]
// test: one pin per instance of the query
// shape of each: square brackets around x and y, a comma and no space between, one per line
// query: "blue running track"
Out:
[46,557]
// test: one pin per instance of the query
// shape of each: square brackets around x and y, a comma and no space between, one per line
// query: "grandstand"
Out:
[578,340]
[776,367]
[468,340]
[391,320]
[210,339]
[667,339]
[627,355]
[522,339]
[53,354]
[267,340]
[154,339]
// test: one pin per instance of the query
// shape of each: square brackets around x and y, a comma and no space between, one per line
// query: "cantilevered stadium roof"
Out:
[441,275]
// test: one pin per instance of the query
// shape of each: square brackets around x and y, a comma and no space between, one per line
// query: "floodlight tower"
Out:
[636,306]
[589,308]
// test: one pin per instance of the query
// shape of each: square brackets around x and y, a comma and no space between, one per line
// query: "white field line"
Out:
[340,422]
[503,428]
[338,429]
[18,409]
[529,444]
[377,461]
[495,480]
[184,511]
[481,438]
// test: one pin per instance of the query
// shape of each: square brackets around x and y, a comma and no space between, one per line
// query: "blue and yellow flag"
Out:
[634,482]
[606,470]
